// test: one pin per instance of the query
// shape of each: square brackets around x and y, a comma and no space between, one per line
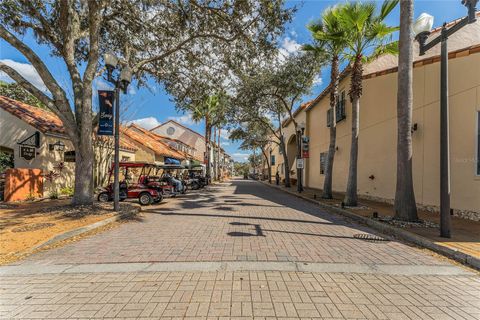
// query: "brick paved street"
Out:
[187,259]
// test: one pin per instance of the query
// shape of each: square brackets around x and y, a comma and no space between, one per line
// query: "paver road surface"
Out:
[237,250]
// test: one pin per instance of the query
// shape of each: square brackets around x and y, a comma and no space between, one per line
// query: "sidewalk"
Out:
[463,246]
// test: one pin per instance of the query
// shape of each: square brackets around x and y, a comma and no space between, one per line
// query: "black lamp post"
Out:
[300,131]
[121,82]
[422,29]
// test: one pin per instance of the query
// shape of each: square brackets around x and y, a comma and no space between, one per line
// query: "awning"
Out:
[169,160]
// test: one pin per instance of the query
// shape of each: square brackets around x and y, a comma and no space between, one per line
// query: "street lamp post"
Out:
[300,131]
[121,83]
[422,29]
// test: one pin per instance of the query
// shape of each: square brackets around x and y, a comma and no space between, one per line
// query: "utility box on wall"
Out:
[22,184]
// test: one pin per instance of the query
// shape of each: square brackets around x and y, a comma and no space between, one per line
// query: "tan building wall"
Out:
[377,137]
[14,130]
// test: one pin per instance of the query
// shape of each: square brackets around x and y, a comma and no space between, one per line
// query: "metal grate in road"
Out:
[369,237]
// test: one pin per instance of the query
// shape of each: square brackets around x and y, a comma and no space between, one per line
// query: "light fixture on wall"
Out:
[57,146]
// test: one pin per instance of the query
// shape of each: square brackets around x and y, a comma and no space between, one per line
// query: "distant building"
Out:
[177,131]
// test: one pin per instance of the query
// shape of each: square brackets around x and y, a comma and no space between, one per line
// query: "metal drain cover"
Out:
[369,237]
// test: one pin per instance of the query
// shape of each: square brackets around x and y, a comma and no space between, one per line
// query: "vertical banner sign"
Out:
[105,122]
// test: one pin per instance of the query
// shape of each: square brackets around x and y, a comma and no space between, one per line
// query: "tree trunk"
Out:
[219,170]
[351,196]
[215,161]
[405,205]
[269,166]
[207,149]
[285,163]
[84,167]
[327,183]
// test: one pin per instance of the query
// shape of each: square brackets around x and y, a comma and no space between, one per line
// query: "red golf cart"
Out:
[129,172]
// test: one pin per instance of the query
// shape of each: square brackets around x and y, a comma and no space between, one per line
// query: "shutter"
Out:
[329,118]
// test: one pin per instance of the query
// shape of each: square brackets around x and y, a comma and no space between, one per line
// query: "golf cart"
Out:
[196,174]
[163,180]
[132,190]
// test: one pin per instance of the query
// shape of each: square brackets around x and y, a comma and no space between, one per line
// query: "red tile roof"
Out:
[140,136]
[161,138]
[43,120]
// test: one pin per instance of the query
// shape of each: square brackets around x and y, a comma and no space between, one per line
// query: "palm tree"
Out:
[366,31]
[330,40]
[206,111]
[405,205]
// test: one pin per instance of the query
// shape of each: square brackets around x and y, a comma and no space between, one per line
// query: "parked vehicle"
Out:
[164,180]
[132,190]
[197,176]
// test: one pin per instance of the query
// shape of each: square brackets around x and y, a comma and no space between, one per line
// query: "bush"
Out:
[67,191]
[53,194]
[30,197]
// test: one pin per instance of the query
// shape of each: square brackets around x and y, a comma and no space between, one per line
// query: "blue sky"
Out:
[152,106]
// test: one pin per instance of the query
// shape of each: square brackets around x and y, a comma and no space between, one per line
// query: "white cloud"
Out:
[225,134]
[147,123]
[185,119]
[318,80]
[26,70]
[290,45]
[100,84]
[225,143]
[240,156]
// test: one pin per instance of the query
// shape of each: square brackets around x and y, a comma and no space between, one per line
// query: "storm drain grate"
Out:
[369,237]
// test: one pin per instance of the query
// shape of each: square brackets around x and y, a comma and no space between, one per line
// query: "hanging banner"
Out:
[105,122]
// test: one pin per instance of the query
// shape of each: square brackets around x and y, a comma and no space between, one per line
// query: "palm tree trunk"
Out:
[405,205]
[327,183]
[215,153]
[219,170]
[208,132]
[351,196]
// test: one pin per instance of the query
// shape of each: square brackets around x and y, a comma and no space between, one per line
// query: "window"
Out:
[125,158]
[323,162]
[69,156]
[340,108]
[272,160]
[170,131]
[329,118]
[478,143]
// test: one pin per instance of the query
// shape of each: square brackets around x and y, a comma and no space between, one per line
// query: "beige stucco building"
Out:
[378,129]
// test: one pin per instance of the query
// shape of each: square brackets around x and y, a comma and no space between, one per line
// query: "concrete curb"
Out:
[75,232]
[389,230]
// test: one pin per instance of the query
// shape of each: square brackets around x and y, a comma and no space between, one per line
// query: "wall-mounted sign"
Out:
[27,153]
[69,156]
[299,163]
[106,99]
